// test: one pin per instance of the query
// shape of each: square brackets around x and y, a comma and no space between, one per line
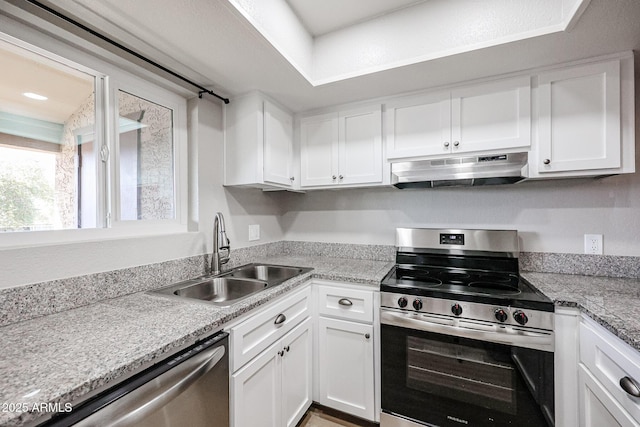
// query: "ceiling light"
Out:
[35,96]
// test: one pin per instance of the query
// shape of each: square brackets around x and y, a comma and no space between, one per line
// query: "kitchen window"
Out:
[83,149]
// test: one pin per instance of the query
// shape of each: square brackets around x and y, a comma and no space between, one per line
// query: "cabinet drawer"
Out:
[269,324]
[609,360]
[345,303]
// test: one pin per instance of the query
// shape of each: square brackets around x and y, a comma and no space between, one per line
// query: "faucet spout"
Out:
[220,243]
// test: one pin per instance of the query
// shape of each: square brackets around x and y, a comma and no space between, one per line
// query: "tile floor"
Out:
[321,417]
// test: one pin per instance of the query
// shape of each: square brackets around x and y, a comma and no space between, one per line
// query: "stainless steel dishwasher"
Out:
[190,388]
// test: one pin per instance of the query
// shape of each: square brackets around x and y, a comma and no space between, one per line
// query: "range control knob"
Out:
[520,317]
[501,315]
[402,302]
[456,309]
[417,304]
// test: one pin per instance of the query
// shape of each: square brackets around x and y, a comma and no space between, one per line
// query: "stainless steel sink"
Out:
[234,285]
[221,289]
[271,274]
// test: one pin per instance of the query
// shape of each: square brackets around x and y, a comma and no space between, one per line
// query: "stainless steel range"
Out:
[465,340]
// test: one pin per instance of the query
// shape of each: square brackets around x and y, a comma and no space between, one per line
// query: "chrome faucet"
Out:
[220,242]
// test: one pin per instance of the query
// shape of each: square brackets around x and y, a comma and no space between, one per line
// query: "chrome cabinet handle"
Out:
[630,386]
[287,348]
[456,143]
[446,144]
[281,353]
[341,177]
[293,178]
[367,336]
[546,161]
[333,177]
[346,302]
[280,318]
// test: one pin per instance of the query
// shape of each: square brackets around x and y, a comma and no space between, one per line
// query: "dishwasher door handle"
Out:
[144,400]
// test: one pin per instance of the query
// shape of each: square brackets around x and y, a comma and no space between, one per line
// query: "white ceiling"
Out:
[413,34]
[322,17]
[216,45]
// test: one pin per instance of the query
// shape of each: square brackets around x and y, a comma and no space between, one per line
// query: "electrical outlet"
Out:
[593,244]
[254,232]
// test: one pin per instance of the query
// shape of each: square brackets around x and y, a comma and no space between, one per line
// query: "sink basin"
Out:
[232,286]
[221,289]
[271,274]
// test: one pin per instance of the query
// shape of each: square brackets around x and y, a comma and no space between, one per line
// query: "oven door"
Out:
[442,380]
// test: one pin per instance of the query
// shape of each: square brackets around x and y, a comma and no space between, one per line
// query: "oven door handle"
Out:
[507,334]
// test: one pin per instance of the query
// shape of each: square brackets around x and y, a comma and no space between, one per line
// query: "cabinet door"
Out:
[297,365]
[255,391]
[597,407]
[278,143]
[360,146]
[579,118]
[492,116]
[346,372]
[419,126]
[609,360]
[319,150]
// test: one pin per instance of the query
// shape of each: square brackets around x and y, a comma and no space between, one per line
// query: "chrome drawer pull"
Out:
[346,302]
[280,318]
[630,386]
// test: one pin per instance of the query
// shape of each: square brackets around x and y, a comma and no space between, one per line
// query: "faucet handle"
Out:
[225,258]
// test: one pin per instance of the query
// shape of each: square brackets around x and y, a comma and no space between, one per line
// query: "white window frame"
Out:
[142,89]
[110,78]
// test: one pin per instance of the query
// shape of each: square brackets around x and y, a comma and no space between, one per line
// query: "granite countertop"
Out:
[610,301]
[67,356]
[64,357]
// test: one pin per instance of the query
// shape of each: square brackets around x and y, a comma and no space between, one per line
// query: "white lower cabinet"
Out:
[593,361]
[598,407]
[318,343]
[346,349]
[606,364]
[345,356]
[274,389]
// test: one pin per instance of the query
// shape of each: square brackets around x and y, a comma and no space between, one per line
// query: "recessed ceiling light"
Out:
[35,96]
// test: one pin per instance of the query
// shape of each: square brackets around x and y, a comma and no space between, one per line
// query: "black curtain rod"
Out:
[202,91]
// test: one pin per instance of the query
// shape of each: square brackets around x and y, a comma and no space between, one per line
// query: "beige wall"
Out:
[551,216]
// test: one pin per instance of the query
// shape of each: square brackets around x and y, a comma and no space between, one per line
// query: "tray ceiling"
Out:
[235,46]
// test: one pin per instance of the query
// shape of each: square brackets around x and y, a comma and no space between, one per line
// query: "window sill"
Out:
[27,239]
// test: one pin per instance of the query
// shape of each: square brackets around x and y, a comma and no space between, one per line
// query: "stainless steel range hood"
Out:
[461,171]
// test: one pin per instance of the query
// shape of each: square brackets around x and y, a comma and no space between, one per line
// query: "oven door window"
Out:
[450,381]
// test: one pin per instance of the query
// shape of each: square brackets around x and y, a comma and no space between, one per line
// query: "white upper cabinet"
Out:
[360,146]
[489,116]
[258,143]
[573,119]
[419,126]
[319,150]
[342,149]
[585,120]
[278,145]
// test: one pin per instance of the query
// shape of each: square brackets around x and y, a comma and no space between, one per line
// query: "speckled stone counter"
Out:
[67,356]
[64,357]
[610,301]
